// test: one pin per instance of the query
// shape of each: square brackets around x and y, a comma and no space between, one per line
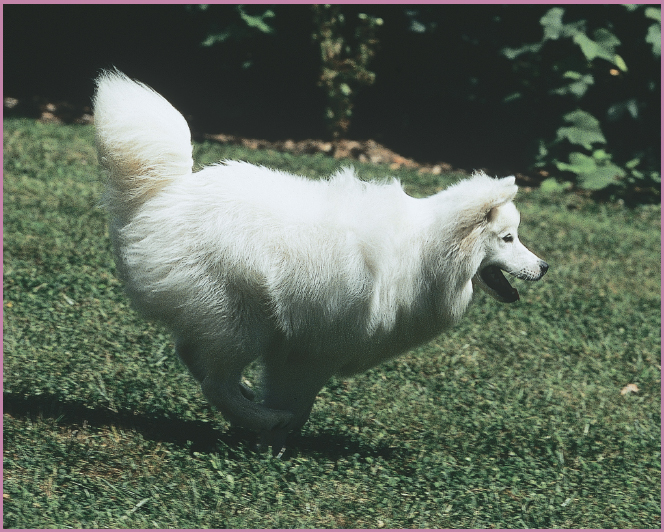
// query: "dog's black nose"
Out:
[544,267]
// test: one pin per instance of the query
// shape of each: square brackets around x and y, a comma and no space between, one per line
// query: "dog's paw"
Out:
[247,392]
[275,439]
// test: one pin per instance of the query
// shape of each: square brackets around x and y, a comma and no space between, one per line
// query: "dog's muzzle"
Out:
[492,281]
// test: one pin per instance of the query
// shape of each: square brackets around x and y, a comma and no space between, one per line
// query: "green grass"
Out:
[514,419]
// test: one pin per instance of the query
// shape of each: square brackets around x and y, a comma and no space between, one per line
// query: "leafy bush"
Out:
[345,54]
[245,25]
[574,70]
[346,48]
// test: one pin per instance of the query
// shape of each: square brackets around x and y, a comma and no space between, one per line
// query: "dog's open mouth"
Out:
[495,283]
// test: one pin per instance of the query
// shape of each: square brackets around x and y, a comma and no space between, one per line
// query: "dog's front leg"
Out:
[291,384]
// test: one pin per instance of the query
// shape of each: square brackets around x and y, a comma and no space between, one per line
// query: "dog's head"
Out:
[487,225]
[504,252]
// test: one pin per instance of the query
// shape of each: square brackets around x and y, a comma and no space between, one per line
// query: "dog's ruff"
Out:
[314,278]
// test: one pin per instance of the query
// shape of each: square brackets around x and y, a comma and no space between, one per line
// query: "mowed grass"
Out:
[514,419]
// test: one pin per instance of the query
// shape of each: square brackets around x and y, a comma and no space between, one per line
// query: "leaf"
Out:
[606,39]
[601,155]
[257,22]
[620,63]
[512,97]
[591,176]
[513,53]
[578,87]
[571,74]
[579,164]
[552,22]
[214,38]
[654,37]
[603,48]
[654,13]
[602,177]
[550,185]
[590,48]
[584,129]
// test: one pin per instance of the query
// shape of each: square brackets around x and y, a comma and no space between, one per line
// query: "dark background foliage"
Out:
[442,86]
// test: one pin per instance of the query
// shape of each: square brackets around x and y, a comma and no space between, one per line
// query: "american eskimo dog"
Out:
[313,278]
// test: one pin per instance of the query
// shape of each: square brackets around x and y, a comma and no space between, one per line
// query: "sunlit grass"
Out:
[514,419]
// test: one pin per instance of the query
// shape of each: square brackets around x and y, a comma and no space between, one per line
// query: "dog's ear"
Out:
[505,195]
[491,214]
[472,200]
[507,190]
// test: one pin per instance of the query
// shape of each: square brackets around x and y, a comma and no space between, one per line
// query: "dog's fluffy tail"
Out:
[143,142]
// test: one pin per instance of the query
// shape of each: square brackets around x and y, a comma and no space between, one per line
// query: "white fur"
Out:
[315,278]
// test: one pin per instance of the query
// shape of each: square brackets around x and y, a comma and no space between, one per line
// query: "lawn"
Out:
[521,417]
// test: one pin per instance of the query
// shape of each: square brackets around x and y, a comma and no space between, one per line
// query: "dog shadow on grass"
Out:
[198,436]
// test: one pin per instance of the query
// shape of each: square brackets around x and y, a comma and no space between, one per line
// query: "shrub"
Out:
[580,152]
[345,55]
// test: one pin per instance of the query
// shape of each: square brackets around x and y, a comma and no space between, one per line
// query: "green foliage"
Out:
[592,169]
[258,21]
[603,46]
[346,49]
[551,185]
[583,129]
[242,28]
[345,54]
[654,36]
[593,172]
[520,417]
[578,86]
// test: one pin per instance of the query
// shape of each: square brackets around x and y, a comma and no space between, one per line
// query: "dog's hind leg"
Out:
[229,397]
[220,382]
[247,392]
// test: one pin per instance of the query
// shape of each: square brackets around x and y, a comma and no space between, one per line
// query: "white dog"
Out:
[314,278]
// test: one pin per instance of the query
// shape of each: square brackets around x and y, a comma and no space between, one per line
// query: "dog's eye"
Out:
[508,238]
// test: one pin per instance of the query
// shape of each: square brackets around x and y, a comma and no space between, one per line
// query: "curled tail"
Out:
[143,142]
